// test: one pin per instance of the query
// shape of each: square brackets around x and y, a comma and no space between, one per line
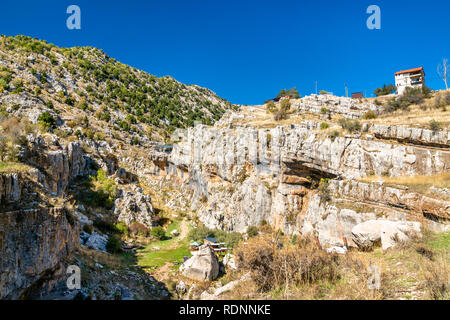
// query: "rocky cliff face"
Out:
[350,108]
[35,238]
[58,165]
[33,244]
[242,176]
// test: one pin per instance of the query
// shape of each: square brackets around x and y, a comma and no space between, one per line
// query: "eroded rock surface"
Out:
[203,266]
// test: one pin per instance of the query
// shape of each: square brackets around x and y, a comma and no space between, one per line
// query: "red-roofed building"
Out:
[414,78]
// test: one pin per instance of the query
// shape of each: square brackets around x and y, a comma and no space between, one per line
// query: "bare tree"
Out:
[442,70]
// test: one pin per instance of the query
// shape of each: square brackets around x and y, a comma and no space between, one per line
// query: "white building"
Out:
[414,78]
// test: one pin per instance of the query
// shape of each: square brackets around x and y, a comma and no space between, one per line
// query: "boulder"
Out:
[181,288]
[338,250]
[203,266]
[229,261]
[387,233]
[97,242]
[83,219]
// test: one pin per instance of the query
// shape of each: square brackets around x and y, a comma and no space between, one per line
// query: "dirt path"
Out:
[182,234]
[162,273]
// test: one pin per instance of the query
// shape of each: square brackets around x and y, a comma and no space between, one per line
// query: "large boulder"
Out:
[387,233]
[203,266]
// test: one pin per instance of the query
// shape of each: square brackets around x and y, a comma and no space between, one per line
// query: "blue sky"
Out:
[248,50]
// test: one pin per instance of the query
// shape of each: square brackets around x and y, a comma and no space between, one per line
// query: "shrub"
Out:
[434,125]
[137,228]
[369,115]
[113,245]
[324,126]
[285,105]
[333,135]
[350,125]
[273,267]
[158,233]
[270,107]
[87,228]
[122,228]
[200,233]
[325,194]
[385,90]
[104,226]
[323,92]
[280,115]
[324,110]
[231,239]
[252,231]
[410,96]
[46,120]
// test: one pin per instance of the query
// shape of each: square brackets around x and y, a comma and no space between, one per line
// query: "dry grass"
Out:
[415,270]
[274,267]
[419,184]
[415,116]
[13,167]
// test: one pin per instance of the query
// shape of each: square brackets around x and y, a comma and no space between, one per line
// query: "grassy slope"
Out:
[170,250]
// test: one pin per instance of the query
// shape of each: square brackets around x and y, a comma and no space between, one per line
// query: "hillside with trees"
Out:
[86,82]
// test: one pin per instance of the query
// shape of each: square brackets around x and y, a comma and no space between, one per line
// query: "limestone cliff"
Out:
[33,244]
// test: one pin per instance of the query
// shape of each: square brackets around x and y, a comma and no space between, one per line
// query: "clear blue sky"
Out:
[248,50]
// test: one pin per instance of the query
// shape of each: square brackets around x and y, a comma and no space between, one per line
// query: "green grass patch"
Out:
[175,225]
[12,167]
[157,259]
[439,242]
[170,250]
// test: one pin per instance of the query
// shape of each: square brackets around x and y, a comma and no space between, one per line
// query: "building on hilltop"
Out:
[414,78]
[357,95]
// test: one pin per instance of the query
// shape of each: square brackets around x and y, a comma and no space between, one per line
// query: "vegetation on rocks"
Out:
[385,90]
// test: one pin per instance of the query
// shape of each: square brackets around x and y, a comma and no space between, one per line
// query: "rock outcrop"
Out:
[348,107]
[400,197]
[243,176]
[389,233]
[10,187]
[203,266]
[134,206]
[33,243]
[440,138]
[57,167]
